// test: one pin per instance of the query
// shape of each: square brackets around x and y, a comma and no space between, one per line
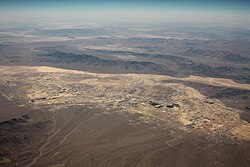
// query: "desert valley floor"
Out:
[58,117]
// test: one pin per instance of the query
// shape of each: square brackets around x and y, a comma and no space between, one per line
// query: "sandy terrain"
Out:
[90,119]
[197,79]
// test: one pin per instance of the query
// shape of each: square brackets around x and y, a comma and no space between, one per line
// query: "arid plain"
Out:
[88,95]
[77,118]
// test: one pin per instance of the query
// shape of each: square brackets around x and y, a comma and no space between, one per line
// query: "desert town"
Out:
[157,101]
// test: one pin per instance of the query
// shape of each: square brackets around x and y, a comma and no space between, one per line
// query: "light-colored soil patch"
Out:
[184,119]
[242,132]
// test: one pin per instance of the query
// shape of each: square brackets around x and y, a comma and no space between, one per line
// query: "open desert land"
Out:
[165,49]
[130,95]
[124,83]
[58,117]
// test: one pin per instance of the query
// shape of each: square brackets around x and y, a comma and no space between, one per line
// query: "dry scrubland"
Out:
[75,118]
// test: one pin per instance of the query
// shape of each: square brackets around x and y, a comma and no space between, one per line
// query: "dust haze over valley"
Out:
[144,91]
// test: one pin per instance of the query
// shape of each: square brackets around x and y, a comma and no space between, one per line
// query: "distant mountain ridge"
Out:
[92,63]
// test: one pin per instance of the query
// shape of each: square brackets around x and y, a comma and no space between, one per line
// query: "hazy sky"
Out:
[225,11]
